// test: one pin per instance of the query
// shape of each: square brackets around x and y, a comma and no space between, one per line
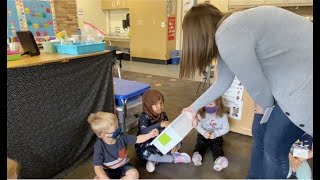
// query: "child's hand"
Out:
[295,163]
[212,136]
[164,123]
[154,133]
[206,135]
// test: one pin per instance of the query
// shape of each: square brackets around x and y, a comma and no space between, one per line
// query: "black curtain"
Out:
[47,110]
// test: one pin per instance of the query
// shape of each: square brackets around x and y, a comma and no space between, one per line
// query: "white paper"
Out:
[235,91]
[300,152]
[234,107]
[232,99]
[174,133]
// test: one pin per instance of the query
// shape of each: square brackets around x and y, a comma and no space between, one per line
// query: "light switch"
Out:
[163,24]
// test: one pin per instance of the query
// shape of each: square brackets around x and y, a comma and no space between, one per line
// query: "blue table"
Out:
[125,90]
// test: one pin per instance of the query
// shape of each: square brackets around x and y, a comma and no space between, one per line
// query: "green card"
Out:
[164,139]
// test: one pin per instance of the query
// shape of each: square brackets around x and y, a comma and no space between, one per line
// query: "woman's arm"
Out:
[223,82]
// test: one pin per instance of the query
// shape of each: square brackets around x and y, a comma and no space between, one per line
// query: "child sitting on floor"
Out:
[110,151]
[213,124]
[152,117]
[300,151]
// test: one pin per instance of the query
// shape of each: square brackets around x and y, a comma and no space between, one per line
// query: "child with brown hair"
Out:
[152,117]
[213,124]
[110,151]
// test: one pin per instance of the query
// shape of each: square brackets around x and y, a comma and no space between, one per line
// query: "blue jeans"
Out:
[271,145]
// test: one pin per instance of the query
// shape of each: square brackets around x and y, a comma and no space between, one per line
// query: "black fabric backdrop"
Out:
[47,110]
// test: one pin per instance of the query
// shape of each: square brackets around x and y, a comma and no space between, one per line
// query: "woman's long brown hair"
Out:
[199,47]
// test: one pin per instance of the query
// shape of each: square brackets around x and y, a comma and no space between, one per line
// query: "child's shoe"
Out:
[196,159]
[151,166]
[181,157]
[220,163]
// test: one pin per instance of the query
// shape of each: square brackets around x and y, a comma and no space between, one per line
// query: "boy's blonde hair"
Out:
[101,121]
[12,169]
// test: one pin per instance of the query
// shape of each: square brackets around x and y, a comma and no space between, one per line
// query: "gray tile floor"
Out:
[155,69]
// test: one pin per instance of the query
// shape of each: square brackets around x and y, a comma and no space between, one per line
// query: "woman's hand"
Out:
[194,115]
[258,109]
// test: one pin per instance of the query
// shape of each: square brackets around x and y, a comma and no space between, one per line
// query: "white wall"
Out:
[91,12]
[115,20]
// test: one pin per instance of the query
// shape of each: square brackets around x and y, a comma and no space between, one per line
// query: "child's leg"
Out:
[131,174]
[216,147]
[158,158]
[220,162]
[201,145]
[153,159]
[127,171]
[304,171]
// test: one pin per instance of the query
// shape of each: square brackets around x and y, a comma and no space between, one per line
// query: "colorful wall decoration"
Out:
[13,22]
[36,16]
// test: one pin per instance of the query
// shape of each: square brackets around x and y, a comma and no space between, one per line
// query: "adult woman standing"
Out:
[270,50]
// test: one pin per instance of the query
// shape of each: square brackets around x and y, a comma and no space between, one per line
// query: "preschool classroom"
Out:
[67,59]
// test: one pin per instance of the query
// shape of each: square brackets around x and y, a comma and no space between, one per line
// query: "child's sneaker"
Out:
[151,166]
[220,163]
[196,159]
[181,157]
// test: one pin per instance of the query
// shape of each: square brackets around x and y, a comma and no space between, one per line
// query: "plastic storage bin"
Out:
[50,46]
[175,57]
[81,48]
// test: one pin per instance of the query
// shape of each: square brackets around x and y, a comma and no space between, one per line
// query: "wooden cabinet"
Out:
[113,4]
[237,2]
[243,125]
[254,2]
[222,5]
[148,30]
[274,2]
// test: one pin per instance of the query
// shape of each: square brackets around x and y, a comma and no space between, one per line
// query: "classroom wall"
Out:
[306,11]
[66,16]
[115,20]
[90,11]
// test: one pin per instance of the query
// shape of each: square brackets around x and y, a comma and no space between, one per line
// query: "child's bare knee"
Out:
[132,173]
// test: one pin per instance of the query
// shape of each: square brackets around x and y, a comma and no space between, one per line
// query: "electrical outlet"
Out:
[163,24]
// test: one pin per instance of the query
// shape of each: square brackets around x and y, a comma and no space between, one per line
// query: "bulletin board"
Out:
[37,16]
[13,22]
